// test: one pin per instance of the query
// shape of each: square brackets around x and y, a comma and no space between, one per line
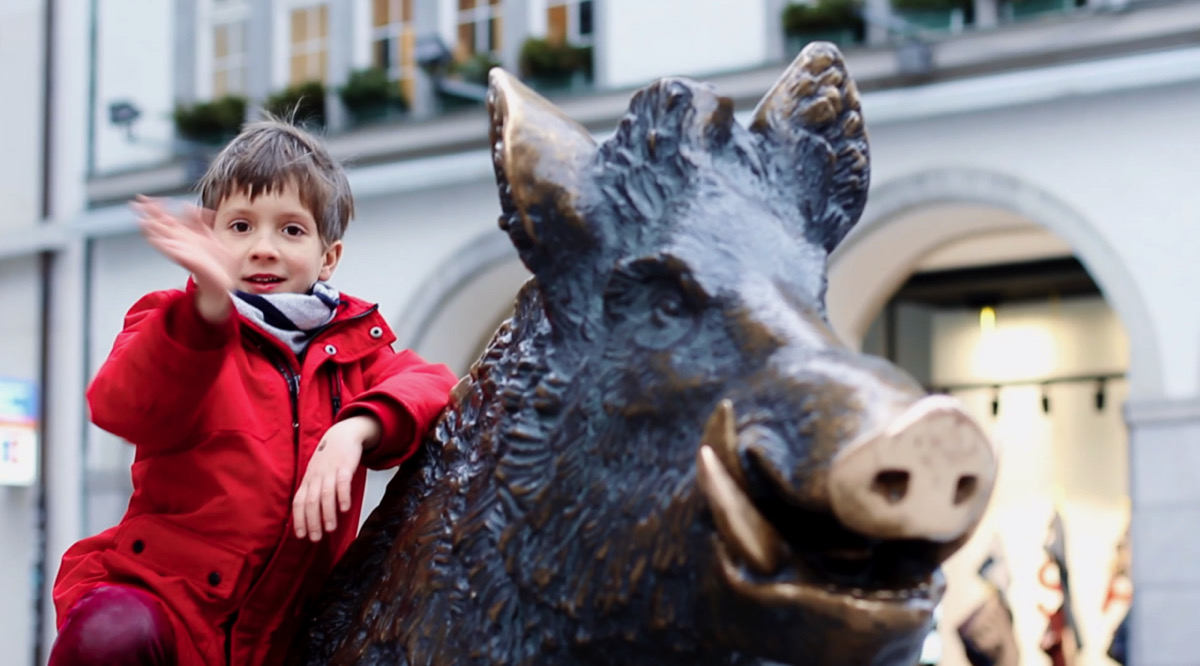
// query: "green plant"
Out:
[824,15]
[211,122]
[930,5]
[370,89]
[475,69]
[544,59]
[303,103]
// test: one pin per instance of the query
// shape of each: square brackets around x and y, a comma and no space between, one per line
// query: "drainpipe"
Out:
[65,98]
[45,259]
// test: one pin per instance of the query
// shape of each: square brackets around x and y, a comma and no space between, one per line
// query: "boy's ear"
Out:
[329,260]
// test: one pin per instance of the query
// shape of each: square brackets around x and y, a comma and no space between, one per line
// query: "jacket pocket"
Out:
[151,546]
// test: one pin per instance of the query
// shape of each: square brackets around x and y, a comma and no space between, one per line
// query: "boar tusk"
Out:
[741,526]
[720,434]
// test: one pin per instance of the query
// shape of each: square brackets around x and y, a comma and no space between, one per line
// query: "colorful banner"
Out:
[987,634]
[1061,640]
[18,432]
[1120,591]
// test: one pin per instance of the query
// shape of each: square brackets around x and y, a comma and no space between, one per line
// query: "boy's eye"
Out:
[293,230]
[239,225]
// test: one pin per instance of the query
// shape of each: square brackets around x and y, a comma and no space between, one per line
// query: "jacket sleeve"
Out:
[406,394]
[161,365]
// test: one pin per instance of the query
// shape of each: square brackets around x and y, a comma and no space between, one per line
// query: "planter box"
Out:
[215,140]
[370,114]
[933,20]
[572,82]
[1016,11]
[842,37]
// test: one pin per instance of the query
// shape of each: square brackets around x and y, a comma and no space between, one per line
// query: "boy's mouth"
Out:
[263,281]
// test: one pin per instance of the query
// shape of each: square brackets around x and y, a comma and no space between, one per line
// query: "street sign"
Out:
[18,432]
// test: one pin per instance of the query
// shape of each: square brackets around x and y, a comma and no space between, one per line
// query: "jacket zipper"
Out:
[293,378]
[335,389]
[293,382]
[229,638]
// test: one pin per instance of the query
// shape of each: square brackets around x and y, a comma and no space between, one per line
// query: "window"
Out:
[309,43]
[393,42]
[479,27]
[229,59]
[569,21]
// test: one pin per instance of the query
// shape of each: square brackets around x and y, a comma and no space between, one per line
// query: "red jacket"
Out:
[225,419]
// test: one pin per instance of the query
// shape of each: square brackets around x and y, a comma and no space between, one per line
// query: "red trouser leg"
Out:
[115,626]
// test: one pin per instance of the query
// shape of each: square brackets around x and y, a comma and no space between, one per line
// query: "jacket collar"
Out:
[357,329]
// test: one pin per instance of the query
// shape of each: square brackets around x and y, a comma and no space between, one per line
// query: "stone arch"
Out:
[892,236]
[465,298]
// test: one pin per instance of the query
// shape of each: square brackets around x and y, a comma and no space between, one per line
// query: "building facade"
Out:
[1067,134]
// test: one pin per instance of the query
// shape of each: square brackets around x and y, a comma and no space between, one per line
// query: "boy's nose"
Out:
[263,250]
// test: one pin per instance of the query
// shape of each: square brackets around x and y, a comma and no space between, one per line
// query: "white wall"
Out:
[123,270]
[21,41]
[22,26]
[649,39]
[1073,456]
[134,63]
[20,298]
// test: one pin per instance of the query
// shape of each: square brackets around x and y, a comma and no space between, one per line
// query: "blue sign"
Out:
[18,401]
[18,432]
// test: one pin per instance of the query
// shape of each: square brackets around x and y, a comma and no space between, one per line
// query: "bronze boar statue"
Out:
[665,456]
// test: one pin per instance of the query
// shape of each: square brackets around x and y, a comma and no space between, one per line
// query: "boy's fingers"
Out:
[298,518]
[150,208]
[329,503]
[343,489]
[204,216]
[312,511]
[196,219]
[152,224]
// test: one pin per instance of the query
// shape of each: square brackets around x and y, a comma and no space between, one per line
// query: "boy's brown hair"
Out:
[271,154]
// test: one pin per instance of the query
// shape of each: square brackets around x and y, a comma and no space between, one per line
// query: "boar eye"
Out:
[669,304]
[653,309]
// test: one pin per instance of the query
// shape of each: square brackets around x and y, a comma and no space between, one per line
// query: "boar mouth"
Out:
[775,552]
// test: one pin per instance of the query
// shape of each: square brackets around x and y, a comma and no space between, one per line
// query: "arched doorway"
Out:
[454,314]
[895,232]
[1045,373]
[460,305]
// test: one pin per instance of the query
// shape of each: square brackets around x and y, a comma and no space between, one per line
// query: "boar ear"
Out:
[813,137]
[539,156]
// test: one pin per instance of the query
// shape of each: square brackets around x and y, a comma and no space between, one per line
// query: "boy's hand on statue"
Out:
[325,489]
[190,242]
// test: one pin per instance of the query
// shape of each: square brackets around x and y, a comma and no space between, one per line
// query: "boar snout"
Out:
[928,475]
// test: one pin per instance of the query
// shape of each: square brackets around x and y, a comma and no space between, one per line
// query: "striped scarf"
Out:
[294,319]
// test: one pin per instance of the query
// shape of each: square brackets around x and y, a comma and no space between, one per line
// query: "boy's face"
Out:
[275,241]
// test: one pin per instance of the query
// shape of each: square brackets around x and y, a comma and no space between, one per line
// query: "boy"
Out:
[252,398]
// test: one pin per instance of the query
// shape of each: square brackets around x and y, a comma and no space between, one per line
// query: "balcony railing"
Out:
[1064,32]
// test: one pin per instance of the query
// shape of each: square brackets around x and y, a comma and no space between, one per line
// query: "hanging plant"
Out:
[824,15]
[545,59]
[212,122]
[475,69]
[303,103]
[369,94]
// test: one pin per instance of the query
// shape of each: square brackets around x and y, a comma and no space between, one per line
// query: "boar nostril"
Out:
[965,489]
[892,484]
